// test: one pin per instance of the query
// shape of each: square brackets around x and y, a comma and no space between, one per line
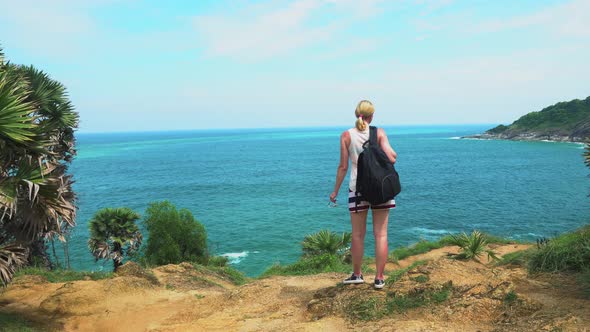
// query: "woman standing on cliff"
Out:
[351,145]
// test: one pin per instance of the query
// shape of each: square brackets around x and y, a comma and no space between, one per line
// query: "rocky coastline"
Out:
[563,122]
[529,137]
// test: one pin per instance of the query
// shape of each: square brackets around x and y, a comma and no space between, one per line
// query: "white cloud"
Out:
[360,9]
[278,31]
[571,19]
[464,90]
[486,89]
[56,29]
[265,36]
[432,5]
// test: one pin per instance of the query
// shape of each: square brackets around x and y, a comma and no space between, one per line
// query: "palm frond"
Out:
[16,113]
[12,256]
[325,242]
[39,200]
[51,100]
[99,249]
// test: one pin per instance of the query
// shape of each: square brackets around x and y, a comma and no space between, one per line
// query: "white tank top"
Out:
[357,139]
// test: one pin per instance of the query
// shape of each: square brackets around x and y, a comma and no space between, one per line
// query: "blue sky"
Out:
[153,65]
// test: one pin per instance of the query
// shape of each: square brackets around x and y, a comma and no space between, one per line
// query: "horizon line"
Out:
[271,128]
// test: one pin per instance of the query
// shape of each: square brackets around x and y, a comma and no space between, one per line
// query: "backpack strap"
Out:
[371,142]
[373,135]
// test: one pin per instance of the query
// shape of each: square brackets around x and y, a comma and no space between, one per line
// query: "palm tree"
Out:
[16,136]
[110,231]
[37,124]
[325,242]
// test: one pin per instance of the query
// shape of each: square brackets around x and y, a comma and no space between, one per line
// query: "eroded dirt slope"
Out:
[182,298]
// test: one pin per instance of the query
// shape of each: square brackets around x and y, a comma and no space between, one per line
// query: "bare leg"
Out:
[359,229]
[380,218]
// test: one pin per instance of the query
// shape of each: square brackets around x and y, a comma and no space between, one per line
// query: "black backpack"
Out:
[377,180]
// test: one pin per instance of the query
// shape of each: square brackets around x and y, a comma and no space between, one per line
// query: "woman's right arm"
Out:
[343,166]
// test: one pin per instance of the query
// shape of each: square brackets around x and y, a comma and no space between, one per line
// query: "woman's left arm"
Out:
[342,166]
[385,146]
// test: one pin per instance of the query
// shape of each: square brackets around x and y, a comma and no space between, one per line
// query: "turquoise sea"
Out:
[260,191]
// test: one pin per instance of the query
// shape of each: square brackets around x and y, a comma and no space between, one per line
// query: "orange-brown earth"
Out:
[182,298]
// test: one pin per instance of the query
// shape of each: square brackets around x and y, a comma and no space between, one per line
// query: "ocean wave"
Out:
[422,230]
[235,257]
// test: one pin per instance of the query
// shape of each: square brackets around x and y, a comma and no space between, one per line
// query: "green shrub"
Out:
[441,295]
[373,308]
[174,236]
[13,323]
[418,248]
[310,265]
[62,275]
[518,258]
[219,261]
[421,278]
[402,303]
[424,246]
[510,298]
[367,309]
[398,274]
[223,272]
[324,251]
[567,252]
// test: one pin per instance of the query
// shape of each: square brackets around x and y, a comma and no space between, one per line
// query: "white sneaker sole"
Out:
[379,286]
[350,282]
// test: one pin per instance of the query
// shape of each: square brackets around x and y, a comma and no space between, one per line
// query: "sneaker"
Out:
[354,279]
[379,283]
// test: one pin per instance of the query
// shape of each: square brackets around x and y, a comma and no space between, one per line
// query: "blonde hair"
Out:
[364,110]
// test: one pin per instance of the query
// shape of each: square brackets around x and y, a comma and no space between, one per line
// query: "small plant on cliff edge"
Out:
[110,231]
[324,251]
[472,246]
[325,242]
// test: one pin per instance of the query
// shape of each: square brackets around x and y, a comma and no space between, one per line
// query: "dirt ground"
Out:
[181,298]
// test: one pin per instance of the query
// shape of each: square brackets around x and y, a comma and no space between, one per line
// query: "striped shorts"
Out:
[357,204]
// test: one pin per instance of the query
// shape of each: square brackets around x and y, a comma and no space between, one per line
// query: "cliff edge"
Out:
[429,292]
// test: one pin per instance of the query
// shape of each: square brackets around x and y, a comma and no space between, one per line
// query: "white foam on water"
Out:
[235,257]
[455,137]
[429,231]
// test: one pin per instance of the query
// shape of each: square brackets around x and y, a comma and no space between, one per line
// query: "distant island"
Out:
[562,122]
